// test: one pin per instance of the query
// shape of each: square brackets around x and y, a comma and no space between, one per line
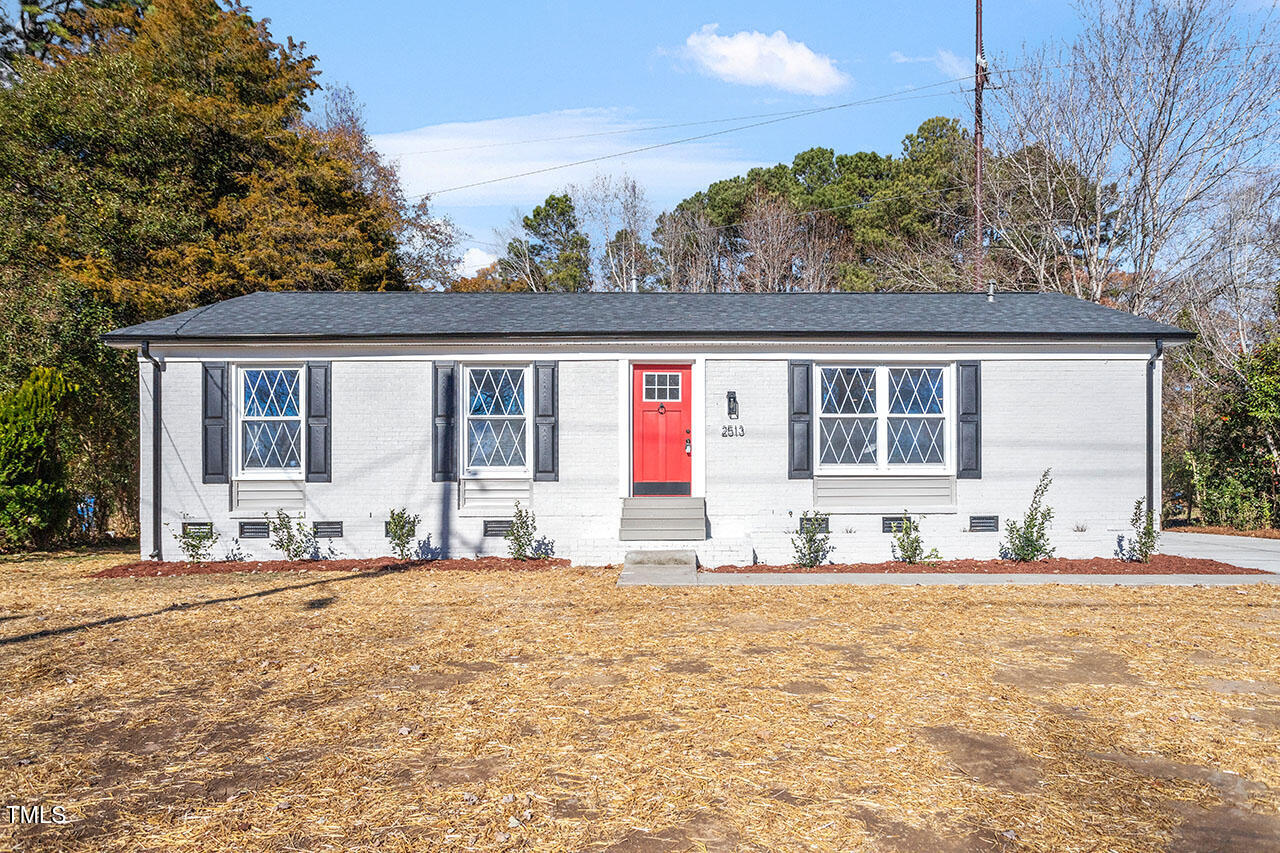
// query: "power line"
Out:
[887,98]
[724,120]
[639,129]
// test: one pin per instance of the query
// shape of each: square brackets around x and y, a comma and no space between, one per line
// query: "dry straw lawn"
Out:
[554,711]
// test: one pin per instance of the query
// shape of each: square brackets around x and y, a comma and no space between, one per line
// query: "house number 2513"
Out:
[732,431]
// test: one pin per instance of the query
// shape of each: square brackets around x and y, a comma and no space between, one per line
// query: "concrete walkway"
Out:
[1246,551]
[679,568]
[939,579]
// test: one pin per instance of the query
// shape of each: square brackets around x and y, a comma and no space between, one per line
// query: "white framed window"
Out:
[661,386]
[269,409]
[885,418]
[847,422]
[496,438]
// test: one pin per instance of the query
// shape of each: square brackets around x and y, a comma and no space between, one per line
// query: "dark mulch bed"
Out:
[1266,533]
[151,568]
[1161,564]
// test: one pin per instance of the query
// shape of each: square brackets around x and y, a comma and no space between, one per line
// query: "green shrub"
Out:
[297,540]
[196,543]
[401,528]
[908,546]
[520,538]
[1227,497]
[812,539]
[35,502]
[1028,540]
[1143,544]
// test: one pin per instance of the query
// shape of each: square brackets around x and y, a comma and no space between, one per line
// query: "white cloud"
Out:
[944,60]
[451,155]
[756,59]
[474,260]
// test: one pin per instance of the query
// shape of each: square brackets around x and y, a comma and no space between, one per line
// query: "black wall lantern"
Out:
[732,397]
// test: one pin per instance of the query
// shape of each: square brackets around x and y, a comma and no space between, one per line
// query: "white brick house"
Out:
[628,420]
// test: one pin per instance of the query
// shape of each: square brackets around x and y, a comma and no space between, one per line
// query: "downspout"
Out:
[1151,425]
[157,368]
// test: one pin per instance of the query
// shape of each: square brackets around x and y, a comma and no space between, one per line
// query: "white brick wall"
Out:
[583,504]
[748,492]
[1083,418]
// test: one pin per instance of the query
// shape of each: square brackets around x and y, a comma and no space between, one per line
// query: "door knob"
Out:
[662,408]
[688,447]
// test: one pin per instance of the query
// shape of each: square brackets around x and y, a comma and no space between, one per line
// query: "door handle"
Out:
[662,408]
[688,447]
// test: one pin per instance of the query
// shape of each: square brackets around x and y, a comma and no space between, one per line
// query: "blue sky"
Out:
[449,86]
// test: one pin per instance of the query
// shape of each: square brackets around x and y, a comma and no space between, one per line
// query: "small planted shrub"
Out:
[1028,540]
[908,546]
[195,541]
[401,528]
[235,554]
[1143,544]
[296,540]
[521,543]
[812,539]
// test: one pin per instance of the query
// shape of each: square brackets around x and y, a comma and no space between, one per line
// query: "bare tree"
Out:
[428,243]
[694,256]
[1229,296]
[617,210]
[1230,292]
[518,263]
[820,253]
[1117,144]
[771,243]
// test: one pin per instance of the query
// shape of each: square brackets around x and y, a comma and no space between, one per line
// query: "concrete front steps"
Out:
[652,519]
[659,568]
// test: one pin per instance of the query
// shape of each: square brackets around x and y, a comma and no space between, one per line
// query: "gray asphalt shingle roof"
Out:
[426,316]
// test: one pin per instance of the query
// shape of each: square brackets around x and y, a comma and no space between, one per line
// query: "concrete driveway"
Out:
[1245,551]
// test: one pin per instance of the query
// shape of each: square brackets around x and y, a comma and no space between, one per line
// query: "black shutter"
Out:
[319,412]
[546,408]
[800,427]
[216,435]
[969,421]
[444,431]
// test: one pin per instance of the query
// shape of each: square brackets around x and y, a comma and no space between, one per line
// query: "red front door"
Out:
[661,429]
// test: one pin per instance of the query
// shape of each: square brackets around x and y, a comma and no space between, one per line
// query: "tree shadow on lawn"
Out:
[191,605]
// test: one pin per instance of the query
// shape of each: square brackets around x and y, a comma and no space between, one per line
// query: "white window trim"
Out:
[679,384]
[237,437]
[882,466]
[481,472]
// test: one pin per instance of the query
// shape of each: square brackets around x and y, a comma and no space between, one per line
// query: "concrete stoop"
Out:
[659,568]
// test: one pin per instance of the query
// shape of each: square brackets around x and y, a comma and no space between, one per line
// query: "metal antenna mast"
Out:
[979,80]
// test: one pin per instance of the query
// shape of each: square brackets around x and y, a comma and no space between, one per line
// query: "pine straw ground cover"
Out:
[415,710]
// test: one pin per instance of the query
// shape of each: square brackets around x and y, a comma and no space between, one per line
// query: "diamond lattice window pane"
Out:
[915,391]
[848,441]
[915,440]
[848,390]
[495,442]
[272,444]
[497,391]
[271,394]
